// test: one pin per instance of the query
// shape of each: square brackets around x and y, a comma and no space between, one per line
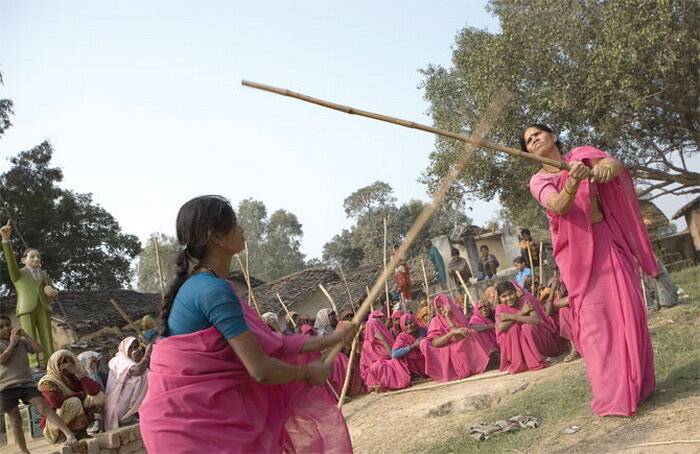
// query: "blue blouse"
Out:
[204,301]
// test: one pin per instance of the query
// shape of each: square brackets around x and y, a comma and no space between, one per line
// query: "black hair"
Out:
[524,231]
[455,251]
[483,246]
[504,286]
[28,250]
[519,259]
[5,317]
[196,221]
[541,127]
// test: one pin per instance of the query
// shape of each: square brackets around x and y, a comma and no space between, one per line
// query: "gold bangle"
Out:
[569,191]
[611,167]
[324,344]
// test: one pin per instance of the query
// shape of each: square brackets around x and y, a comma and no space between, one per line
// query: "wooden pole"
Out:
[125,317]
[474,139]
[160,270]
[284,306]
[347,287]
[246,276]
[542,281]
[333,306]
[439,385]
[429,210]
[348,372]
[466,290]
[386,286]
[427,288]
[532,270]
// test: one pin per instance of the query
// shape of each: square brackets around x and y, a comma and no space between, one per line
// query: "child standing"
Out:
[16,382]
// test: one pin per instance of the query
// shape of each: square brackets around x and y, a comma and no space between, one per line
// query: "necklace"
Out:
[551,171]
[205,267]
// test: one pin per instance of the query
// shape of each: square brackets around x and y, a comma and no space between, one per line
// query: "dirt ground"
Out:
[399,422]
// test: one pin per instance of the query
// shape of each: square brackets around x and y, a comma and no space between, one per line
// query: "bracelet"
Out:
[611,167]
[569,191]
[324,343]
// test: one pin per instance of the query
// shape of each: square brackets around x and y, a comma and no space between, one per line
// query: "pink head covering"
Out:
[459,318]
[307,329]
[396,314]
[408,316]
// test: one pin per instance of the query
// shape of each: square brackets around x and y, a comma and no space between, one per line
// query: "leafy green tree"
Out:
[147,276]
[619,75]
[5,112]
[369,207]
[81,244]
[274,242]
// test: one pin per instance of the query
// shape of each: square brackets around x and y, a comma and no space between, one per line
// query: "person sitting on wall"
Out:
[488,264]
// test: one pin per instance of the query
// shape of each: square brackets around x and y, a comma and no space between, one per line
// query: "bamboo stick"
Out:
[542,281]
[466,290]
[386,286]
[160,270]
[125,317]
[427,288]
[439,385]
[333,306]
[284,306]
[246,276]
[347,287]
[429,210]
[532,270]
[658,443]
[473,139]
[348,373]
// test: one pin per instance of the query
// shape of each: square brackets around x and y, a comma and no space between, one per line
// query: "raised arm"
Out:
[12,266]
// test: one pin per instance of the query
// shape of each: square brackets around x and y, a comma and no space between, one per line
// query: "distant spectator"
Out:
[526,244]
[488,264]
[271,319]
[458,265]
[423,314]
[522,269]
[402,277]
[438,262]
[127,383]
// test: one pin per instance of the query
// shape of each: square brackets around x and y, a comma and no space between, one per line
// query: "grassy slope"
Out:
[564,402]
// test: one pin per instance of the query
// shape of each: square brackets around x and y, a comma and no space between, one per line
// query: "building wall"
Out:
[692,218]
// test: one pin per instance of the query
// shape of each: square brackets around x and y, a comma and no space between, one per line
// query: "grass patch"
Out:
[565,401]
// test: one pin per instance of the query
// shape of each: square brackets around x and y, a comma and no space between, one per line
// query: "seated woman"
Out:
[92,363]
[127,383]
[325,322]
[395,327]
[356,386]
[565,318]
[525,342]
[74,396]
[378,369]
[452,350]
[292,326]
[484,323]
[270,319]
[407,345]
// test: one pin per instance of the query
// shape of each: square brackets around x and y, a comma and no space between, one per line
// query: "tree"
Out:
[274,243]
[5,112]
[369,207]
[146,272]
[81,244]
[620,75]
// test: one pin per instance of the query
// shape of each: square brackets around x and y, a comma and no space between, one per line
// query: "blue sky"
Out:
[143,104]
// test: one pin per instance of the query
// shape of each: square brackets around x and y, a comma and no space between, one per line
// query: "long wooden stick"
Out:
[347,287]
[284,306]
[348,372]
[386,286]
[466,290]
[473,139]
[125,317]
[439,385]
[532,270]
[542,281]
[246,276]
[330,298]
[659,443]
[429,210]
[160,270]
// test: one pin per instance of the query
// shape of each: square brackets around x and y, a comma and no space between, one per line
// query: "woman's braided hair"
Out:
[196,221]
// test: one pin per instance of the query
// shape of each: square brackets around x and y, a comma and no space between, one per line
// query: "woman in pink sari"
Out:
[407,345]
[565,317]
[522,335]
[127,382]
[452,350]
[482,321]
[600,243]
[396,323]
[221,380]
[378,369]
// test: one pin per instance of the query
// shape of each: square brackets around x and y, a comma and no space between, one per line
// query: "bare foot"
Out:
[71,441]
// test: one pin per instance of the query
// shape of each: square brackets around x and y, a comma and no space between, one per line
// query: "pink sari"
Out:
[459,358]
[415,361]
[599,263]
[377,367]
[488,338]
[202,399]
